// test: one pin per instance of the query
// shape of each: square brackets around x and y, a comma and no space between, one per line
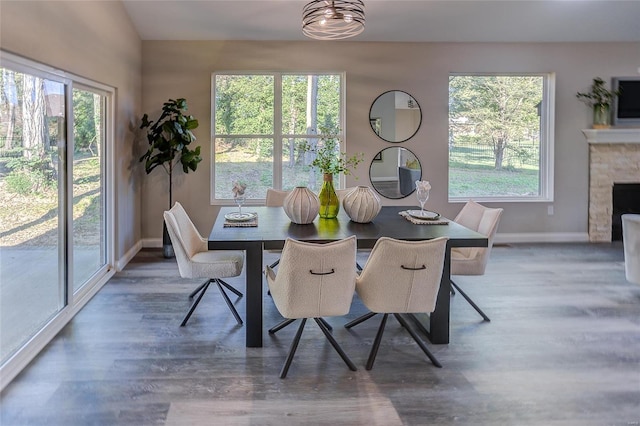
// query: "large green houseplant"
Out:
[169,140]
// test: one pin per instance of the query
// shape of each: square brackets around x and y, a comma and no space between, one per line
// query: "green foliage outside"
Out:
[494,145]
[245,129]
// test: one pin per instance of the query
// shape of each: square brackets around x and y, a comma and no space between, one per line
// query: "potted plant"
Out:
[329,160]
[600,99]
[169,138]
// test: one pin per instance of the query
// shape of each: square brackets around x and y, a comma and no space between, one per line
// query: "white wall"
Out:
[95,40]
[183,69]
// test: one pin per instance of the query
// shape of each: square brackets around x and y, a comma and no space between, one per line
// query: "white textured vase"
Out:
[362,205]
[301,205]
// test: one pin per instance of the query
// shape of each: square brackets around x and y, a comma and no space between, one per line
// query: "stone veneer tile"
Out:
[608,164]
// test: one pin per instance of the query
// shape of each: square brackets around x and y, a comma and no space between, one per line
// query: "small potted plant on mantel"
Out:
[169,138]
[600,99]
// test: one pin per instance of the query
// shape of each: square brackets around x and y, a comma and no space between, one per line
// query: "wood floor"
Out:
[563,348]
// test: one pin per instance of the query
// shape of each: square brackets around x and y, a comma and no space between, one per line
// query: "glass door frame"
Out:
[71,302]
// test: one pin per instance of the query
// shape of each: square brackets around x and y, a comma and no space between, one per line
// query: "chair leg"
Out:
[358,267]
[326,324]
[334,343]
[286,322]
[200,287]
[292,350]
[359,320]
[232,289]
[195,303]
[418,340]
[468,299]
[281,325]
[274,264]
[453,292]
[376,342]
[229,304]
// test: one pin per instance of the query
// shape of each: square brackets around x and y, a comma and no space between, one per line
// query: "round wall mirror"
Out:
[394,171]
[395,116]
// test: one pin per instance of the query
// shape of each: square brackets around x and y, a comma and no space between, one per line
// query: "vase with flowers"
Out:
[599,99]
[330,161]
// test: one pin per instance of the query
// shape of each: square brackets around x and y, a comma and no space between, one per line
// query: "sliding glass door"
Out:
[88,184]
[32,129]
[54,243]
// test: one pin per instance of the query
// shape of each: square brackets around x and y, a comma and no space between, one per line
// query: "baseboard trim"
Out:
[122,262]
[152,243]
[541,237]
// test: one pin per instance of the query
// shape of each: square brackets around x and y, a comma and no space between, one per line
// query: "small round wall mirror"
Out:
[394,171]
[395,116]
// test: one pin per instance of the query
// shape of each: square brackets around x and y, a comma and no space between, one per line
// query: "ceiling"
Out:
[396,20]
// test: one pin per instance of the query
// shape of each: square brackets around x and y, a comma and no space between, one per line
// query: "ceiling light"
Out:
[333,20]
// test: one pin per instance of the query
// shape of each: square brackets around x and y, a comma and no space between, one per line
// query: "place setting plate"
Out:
[240,217]
[424,214]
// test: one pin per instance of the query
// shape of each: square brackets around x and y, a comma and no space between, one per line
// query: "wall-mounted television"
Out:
[626,107]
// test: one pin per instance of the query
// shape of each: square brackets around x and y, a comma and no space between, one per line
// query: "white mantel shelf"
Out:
[626,135]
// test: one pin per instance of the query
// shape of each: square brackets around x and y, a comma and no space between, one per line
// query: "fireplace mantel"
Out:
[619,135]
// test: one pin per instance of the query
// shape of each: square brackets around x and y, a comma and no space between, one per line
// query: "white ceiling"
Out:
[395,20]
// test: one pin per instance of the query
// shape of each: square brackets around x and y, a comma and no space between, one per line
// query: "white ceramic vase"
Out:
[301,205]
[362,204]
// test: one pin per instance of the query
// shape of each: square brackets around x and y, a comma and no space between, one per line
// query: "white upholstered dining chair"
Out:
[400,277]
[313,281]
[195,260]
[631,244]
[473,260]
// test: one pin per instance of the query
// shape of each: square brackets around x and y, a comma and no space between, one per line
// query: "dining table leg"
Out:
[253,268]
[439,319]
[436,325]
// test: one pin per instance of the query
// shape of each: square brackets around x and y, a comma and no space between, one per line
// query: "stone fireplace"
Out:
[614,157]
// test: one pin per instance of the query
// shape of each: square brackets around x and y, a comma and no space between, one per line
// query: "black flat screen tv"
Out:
[626,107]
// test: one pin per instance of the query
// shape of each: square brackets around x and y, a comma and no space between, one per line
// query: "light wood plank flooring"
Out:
[563,348]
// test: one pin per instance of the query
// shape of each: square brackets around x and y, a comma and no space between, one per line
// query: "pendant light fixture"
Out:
[333,20]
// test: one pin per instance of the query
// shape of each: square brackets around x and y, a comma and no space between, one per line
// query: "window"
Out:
[55,130]
[501,137]
[261,120]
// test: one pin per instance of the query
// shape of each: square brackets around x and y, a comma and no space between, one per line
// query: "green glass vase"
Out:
[601,116]
[329,202]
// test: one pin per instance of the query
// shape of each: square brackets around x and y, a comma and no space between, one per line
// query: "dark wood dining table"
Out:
[274,227]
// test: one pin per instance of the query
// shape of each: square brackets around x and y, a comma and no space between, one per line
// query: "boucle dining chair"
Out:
[313,281]
[275,198]
[400,277]
[631,244]
[473,260]
[195,260]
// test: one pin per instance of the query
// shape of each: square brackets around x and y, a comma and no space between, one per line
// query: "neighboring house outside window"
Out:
[259,122]
[501,137]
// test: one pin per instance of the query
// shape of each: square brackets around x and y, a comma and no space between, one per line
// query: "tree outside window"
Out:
[499,138]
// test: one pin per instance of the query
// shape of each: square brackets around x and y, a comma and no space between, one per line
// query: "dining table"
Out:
[274,227]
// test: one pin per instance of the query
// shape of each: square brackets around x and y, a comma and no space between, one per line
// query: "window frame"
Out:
[278,136]
[547,142]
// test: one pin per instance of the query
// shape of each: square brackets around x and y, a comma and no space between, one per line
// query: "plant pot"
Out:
[167,247]
[301,205]
[362,205]
[601,116]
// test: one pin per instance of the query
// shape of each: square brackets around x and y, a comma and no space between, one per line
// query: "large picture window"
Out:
[501,137]
[260,121]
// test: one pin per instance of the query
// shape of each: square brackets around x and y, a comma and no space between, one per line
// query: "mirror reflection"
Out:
[393,172]
[395,116]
